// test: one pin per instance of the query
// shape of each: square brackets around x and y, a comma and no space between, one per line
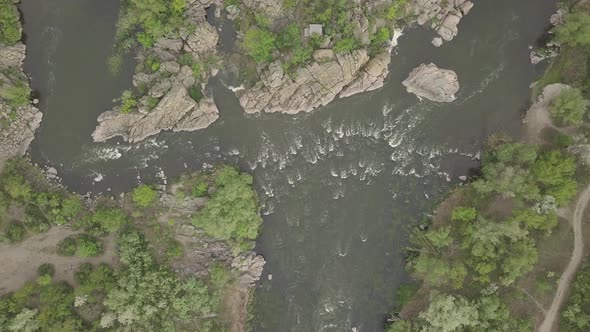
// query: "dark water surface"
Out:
[338,186]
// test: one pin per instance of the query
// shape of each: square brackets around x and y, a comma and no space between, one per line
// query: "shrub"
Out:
[9,22]
[46,269]
[174,249]
[67,246]
[144,195]
[259,44]
[575,31]
[88,246]
[18,95]
[345,45]
[569,107]
[109,219]
[200,189]
[195,93]
[128,102]
[463,213]
[396,10]
[71,207]
[15,232]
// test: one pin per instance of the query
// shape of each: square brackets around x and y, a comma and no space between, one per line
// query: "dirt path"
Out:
[19,261]
[570,271]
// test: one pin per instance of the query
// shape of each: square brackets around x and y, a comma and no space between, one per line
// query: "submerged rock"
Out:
[433,83]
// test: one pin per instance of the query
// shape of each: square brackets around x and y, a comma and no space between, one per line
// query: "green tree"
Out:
[464,213]
[128,101]
[144,195]
[110,219]
[438,272]
[576,30]
[440,237]
[447,313]
[67,246]
[88,246]
[555,172]
[15,232]
[46,269]
[576,314]
[232,212]
[259,44]
[569,107]
[25,321]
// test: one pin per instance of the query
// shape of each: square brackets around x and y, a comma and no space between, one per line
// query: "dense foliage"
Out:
[576,314]
[144,196]
[569,108]
[232,212]
[145,21]
[576,30]
[23,187]
[10,27]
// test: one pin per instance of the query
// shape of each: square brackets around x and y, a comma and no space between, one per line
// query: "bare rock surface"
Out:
[444,16]
[433,83]
[17,123]
[316,84]
[176,111]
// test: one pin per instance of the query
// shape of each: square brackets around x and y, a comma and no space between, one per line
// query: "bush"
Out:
[71,207]
[200,190]
[575,31]
[15,232]
[46,269]
[259,44]
[345,45]
[109,219]
[195,93]
[67,246]
[569,107]
[144,195]
[128,102]
[463,213]
[18,95]
[88,246]
[10,26]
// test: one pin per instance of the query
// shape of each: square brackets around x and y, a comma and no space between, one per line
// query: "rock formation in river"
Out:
[315,84]
[18,123]
[443,15]
[433,83]
[172,86]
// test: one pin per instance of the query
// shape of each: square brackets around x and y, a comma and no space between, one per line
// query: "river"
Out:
[339,186]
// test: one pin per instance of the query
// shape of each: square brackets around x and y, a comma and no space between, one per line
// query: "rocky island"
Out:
[291,57]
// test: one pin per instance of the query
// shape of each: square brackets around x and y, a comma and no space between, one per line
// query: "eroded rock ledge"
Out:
[433,83]
[18,123]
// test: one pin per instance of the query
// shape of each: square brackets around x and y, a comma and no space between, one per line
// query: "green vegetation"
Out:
[82,245]
[232,212]
[569,108]
[576,314]
[128,101]
[259,44]
[18,95]
[575,31]
[10,27]
[144,196]
[145,21]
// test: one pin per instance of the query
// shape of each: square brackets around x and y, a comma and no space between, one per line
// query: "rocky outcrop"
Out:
[433,83]
[176,111]
[168,105]
[371,77]
[17,123]
[316,84]
[552,48]
[444,16]
[271,8]
[249,268]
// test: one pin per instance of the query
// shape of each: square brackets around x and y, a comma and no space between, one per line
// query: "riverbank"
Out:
[505,232]
[19,117]
[165,230]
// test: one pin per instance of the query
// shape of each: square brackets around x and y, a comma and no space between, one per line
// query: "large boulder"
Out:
[249,268]
[271,8]
[433,83]
[12,56]
[444,15]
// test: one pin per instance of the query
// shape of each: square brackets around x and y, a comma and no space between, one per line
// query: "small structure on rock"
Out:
[314,29]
